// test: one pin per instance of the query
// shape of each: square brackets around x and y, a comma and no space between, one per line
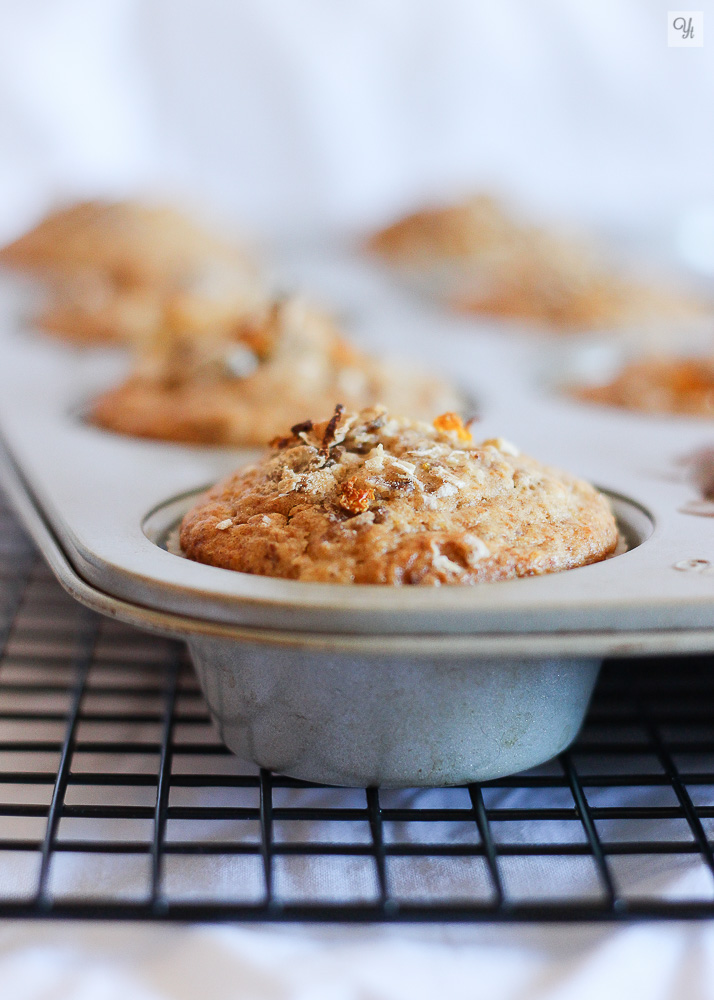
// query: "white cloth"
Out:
[140,962]
[43,960]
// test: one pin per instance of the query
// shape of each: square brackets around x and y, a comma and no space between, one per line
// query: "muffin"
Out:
[369,498]
[658,385]
[243,386]
[111,266]
[135,244]
[87,309]
[477,257]
[452,233]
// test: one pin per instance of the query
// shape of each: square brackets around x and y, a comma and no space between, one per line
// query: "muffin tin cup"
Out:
[390,720]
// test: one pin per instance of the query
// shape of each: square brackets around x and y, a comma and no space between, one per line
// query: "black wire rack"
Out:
[117,799]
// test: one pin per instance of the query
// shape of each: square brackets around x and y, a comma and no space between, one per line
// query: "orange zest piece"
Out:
[453,422]
[355,499]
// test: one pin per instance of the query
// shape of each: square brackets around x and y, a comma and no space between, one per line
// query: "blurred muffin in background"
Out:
[658,385]
[110,266]
[477,257]
[244,385]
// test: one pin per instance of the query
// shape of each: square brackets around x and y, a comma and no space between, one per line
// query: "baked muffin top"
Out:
[110,268]
[369,498]
[484,260]
[244,385]
[659,385]
[457,232]
[134,244]
[90,307]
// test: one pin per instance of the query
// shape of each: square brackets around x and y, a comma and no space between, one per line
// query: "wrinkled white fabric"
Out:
[99,962]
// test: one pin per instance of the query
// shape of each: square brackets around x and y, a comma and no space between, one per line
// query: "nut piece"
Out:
[224,525]
[353,498]
[452,422]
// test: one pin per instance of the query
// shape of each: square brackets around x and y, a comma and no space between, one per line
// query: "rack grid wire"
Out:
[118,801]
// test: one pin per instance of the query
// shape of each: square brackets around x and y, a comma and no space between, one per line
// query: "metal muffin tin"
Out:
[370,685]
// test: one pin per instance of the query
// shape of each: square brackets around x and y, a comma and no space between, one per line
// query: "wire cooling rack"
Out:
[118,801]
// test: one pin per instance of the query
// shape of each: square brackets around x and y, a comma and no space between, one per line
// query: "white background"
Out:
[313,115]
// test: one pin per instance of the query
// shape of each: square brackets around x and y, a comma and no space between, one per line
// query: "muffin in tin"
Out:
[479,258]
[243,385]
[676,385]
[110,266]
[374,499]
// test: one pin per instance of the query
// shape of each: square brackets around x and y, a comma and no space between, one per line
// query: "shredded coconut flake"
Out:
[502,445]
[374,462]
[477,546]
[447,477]
[442,562]
[407,467]
[289,482]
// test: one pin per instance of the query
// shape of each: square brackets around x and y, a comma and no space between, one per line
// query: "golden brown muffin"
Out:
[132,243]
[452,232]
[481,260]
[369,498]
[111,266]
[86,310]
[659,385]
[244,386]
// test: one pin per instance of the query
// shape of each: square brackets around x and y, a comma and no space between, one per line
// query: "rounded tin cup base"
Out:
[394,721]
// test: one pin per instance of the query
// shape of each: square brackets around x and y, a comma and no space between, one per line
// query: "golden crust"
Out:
[86,311]
[131,316]
[394,501]
[451,232]
[244,386]
[72,325]
[111,267]
[659,385]
[135,244]
[482,261]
